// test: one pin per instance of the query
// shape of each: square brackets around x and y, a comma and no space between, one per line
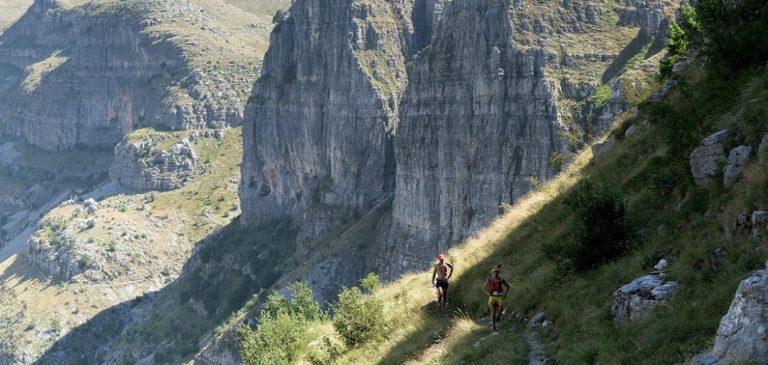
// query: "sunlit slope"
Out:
[668,217]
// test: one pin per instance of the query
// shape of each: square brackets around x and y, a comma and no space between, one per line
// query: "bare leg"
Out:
[440,299]
[445,300]
[493,316]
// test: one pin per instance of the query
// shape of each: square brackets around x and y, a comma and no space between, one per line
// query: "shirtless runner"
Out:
[440,276]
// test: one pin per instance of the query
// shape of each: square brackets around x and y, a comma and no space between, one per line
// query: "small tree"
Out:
[681,37]
[303,304]
[279,16]
[358,318]
[371,282]
[601,233]
[735,33]
[274,305]
[277,340]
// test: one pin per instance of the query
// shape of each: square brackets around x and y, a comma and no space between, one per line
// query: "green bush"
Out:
[371,282]
[681,37]
[735,33]
[303,304]
[358,318]
[277,340]
[274,305]
[601,96]
[279,16]
[326,354]
[601,233]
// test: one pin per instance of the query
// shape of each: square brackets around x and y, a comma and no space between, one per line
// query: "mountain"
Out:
[449,109]
[120,148]
[648,248]
[163,189]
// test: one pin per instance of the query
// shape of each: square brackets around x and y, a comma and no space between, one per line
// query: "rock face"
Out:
[706,158]
[142,166]
[319,133]
[462,147]
[600,150]
[449,108]
[736,159]
[743,331]
[635,300]
[759,222]
[70,85]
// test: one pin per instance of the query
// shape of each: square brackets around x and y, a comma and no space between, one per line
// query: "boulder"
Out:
[630,131]
[761,150]
[736,159]
[705,359]
[634,301]
[743,332]
[90,206]
[600,150]
[743,224]
[707,156]
[661,265]
[663,90]
[537,320]
[759,222]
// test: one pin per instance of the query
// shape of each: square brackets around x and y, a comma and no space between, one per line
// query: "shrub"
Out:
[601,233]
[279,16]
[601,96]
[274,305]
[326,354]
[277,340]
[681,37]
[303,304]
[735,33]
[370,282]
[358,318]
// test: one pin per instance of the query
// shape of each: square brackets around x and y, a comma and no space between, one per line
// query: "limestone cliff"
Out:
[479,117]
[483,117]
[452,108]
[320,122]
[89,73]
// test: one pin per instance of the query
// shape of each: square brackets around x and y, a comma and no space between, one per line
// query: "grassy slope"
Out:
[696,236]
[11,11]
[172,223]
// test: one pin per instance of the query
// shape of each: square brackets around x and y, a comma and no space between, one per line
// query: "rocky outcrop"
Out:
[647,15]
[318,136]
[72,85]
[462,147]
[736,159]
[708,157]
[743,332]
[332,129]
[144,165]
[600,150]
[635,300]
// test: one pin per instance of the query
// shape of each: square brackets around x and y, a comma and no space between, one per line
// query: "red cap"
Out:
[440,256]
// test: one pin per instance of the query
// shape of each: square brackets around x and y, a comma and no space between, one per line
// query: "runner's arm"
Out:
[450,272]
[485,288]
[506,285]
[434,272]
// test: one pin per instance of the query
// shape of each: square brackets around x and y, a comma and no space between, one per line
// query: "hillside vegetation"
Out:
[566,247]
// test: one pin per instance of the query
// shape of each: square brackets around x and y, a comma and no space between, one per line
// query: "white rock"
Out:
[743,331]
[661,265]
[706,158]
